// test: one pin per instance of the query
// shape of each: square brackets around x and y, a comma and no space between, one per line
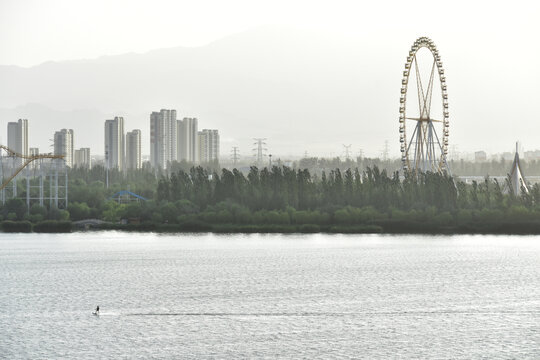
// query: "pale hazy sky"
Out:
[34,31]
[490,49]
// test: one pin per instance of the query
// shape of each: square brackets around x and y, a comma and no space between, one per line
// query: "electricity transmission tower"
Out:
[235,155]
[385,151]
[259,151]
[454,153]
[347,151]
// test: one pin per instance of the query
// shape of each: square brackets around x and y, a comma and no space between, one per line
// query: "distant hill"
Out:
[300,90]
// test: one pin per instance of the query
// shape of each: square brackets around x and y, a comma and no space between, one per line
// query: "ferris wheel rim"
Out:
[423,42]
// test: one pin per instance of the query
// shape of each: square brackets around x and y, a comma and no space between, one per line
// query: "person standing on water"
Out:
[97,309]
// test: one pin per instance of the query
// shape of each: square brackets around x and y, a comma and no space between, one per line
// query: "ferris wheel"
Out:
[426,147]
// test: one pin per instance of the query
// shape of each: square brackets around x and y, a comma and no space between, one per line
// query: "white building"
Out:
[188,141]
[480,156]
[208,145]
[82,159]
[114,143]
[532,155]
[163,138]
[18,138]
[32,152]
[63,145]
[133,150]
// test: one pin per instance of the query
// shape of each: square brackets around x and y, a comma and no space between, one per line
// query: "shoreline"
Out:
[376,227]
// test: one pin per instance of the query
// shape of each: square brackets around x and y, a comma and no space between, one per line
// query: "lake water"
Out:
[269,296]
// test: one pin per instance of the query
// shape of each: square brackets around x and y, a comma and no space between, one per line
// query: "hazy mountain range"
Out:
[301,90]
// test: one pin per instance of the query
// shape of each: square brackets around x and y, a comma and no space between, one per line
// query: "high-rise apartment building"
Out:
[133,150]
[13,140]
[163,138]
[114,143]
[32,152]
[82,159]
[63,145]
[208,145]
[18,138]
[188,148]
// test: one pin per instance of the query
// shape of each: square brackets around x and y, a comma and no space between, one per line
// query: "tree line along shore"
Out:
[282,200]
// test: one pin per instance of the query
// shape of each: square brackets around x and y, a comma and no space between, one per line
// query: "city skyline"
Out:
[179,140]
[21,126]
[278,112]
[345,80]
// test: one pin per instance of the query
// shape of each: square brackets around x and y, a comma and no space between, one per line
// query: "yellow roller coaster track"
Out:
[28,159]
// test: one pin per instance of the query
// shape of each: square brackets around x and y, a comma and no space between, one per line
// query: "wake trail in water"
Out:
[109,314]
[334,314]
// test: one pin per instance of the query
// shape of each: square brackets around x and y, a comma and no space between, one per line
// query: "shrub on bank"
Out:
[356,229]
[53,226]
[194,226]
[309,228]
[16,226]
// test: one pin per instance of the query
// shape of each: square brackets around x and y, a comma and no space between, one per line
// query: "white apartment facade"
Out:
[32,152]
[208,145]
[188,140]
[114,143]
[163,138]
[63,145]
[18,138]
[133,149]
[82,158]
